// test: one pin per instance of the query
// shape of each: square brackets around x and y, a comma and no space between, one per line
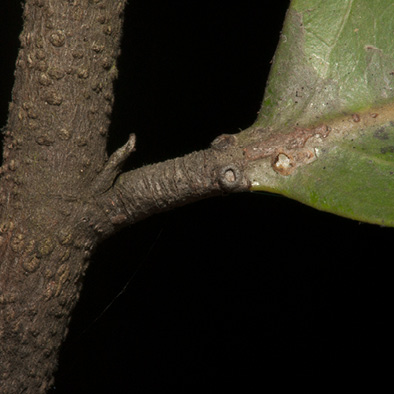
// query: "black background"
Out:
[240,289]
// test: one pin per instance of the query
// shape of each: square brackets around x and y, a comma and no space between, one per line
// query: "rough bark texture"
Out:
[54,149]
[59,193]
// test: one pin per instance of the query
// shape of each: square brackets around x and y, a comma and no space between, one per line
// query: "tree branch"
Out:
[113,166]
[160,187]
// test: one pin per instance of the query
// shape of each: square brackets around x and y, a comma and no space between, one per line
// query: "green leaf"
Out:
[327,118]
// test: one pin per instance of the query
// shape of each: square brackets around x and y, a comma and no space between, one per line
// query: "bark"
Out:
[59,193]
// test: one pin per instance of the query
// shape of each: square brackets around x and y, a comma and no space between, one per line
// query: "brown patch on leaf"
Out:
[284,142]
[381,134]
[387,149]
[356,117]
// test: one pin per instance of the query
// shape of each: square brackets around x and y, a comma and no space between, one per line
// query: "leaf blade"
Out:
[334,66]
